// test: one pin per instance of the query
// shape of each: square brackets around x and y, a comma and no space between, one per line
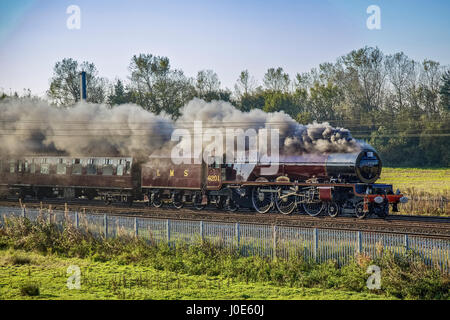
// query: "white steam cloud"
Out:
[35,127]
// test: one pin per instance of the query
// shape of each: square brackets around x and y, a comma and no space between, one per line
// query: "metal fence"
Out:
[251,239]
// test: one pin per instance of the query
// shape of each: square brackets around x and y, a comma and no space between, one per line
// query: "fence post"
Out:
[201,231]
[316,244]
[24,214]
[77,221]
[274,241]
[406,243]
[105,225]
[168,231]
[237,234]
[50,214]
[359,243]
[136,231]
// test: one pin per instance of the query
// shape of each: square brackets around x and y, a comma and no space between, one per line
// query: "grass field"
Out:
[110,280]
[433,181]
[428,189]
[35,256]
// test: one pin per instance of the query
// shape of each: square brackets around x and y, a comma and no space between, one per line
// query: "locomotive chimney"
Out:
[83,85]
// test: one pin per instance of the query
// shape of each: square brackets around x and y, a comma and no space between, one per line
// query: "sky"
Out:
[225,36]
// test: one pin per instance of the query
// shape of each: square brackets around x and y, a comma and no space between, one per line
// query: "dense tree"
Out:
[245,85]
[276,80]
[445,92]
[65,82]
[119,94]
[280,101]
[207,81]
[256,100]
[324,100]
[429,87]
[207,87]
[158,88]
[401,72]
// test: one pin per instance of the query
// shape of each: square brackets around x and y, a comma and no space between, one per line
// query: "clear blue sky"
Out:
[224,35]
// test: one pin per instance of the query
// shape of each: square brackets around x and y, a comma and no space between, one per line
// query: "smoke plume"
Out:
[35,127]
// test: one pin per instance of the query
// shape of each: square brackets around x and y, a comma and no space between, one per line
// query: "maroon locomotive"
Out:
[312,183]
[332,183]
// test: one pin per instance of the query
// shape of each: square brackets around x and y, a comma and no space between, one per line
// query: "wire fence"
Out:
[270,241]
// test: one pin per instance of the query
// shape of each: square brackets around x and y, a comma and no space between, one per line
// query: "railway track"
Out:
[436,227]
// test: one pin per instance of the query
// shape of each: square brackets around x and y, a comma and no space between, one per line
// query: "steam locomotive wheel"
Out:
[197,201]
[286,204]
[333,209]
[156,200]
[230,205]
[262,201]
[219,202]
[177,200]
[313,208]
[107,200]
[359,210]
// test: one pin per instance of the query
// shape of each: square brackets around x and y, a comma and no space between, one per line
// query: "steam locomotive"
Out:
[336,183]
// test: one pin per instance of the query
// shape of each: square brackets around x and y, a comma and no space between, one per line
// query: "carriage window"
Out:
[120,169]
[12,166]
[108,167]
[91,167]
[61,168]
[128,167]
[108,170]
[77,168]
[45,168]
[32,168]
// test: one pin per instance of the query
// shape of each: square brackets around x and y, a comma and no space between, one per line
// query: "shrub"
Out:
[18,259]
[29,289]
[408,277]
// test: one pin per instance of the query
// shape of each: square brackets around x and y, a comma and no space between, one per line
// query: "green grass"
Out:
[36,255]
[427,189]
[433,181]
[111,280]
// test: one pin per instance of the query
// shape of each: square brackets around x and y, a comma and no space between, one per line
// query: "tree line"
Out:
[398,105]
